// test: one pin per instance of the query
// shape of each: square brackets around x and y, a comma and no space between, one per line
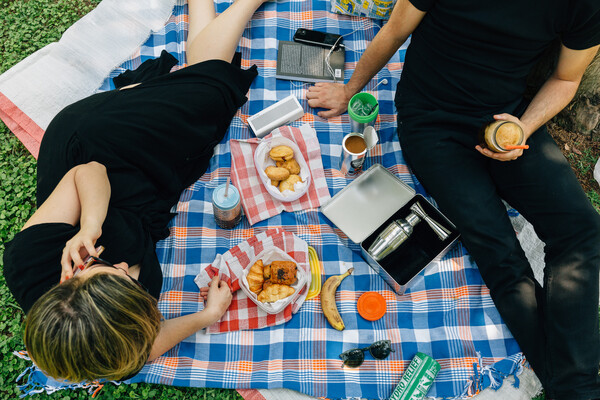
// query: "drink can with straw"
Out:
[226,205]
[417,379]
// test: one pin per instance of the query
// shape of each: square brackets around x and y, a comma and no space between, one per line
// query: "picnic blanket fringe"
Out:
[493,375]
[32,384]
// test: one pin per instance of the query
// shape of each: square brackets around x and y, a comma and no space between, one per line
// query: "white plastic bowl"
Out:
[262,161]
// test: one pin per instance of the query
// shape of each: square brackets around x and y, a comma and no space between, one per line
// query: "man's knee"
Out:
[575,238]
[582,225]
[589,232]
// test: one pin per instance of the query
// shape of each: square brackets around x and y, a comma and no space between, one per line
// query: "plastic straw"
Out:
[521,146]
[227,187]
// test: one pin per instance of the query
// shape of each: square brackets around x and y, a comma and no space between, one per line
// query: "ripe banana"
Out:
[328,300]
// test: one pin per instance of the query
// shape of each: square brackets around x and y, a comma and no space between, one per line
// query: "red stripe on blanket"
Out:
[28,132]
[250,394]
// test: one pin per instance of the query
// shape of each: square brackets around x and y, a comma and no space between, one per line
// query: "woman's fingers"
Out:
[217,288]
[91,249]
[67,269]
[214,283]
[204,292]
[75,256]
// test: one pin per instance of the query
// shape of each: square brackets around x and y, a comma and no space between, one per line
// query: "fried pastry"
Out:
[275,292]
[255,277]
[288,184]
[281,153]
[267,284]
[275,183]
[277,173]
[267,271]
[291,165]
[283,272]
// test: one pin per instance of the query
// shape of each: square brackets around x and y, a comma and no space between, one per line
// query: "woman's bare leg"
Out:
[219,38]
[200,13]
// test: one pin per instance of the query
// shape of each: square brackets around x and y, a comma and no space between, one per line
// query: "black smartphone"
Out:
[317,38]
[88,261]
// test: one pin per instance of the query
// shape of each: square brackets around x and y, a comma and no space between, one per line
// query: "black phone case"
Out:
[316,38]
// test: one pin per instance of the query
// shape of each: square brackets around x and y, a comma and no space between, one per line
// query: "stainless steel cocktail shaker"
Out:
[398,231]
[393,236]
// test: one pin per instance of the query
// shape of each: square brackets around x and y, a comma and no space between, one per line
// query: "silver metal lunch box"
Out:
[365,207]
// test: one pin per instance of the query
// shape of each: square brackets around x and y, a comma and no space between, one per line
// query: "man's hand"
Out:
[331,96]
[334,97]
[509,155]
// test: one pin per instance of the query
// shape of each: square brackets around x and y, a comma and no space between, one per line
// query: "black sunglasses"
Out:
[99,261]
[354,357]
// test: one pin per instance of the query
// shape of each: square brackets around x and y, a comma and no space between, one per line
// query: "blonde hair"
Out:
[85,329]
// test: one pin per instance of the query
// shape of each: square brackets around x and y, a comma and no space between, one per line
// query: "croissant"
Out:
[275,292]
[255,277]
[267,271]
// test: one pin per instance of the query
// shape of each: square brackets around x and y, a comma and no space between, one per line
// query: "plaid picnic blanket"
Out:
[447,313]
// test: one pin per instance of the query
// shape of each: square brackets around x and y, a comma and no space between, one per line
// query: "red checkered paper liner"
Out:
[243,313]
[258,204]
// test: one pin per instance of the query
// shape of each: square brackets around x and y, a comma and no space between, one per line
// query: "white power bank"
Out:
[278,114]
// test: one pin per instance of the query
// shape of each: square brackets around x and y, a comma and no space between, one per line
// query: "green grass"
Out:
[594,198]
[584,163]
[26,26]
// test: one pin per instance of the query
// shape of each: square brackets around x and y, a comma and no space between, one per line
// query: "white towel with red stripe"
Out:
[37,88]
[258,204]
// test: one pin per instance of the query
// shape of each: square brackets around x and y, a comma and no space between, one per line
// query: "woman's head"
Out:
[97,326]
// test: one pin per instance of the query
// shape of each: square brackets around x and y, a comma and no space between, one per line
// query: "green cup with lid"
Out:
[363,109]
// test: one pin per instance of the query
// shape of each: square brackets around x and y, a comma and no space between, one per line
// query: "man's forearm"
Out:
[377,54]
[559,90]
[553,96]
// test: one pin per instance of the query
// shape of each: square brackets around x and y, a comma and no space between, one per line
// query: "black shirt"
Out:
[155,140]
[474,56]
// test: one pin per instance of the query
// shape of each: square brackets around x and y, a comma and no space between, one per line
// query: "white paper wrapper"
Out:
[262,161]
[597,171]
[268,256]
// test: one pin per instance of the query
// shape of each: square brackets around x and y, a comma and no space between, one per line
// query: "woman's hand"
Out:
[331,96]
[509,155]
[79,246]
[217,296]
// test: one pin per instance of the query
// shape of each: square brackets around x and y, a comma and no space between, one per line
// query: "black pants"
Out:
[555,325]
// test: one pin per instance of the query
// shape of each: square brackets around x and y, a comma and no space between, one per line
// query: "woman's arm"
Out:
[81,196]
[175,330]
[335,96]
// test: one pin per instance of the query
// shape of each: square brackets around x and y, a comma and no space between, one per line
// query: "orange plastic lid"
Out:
[371,306]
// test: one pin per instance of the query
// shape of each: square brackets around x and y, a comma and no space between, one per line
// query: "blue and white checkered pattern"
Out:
[447,313]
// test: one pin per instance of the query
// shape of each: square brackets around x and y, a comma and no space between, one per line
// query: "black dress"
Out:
[155,140]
